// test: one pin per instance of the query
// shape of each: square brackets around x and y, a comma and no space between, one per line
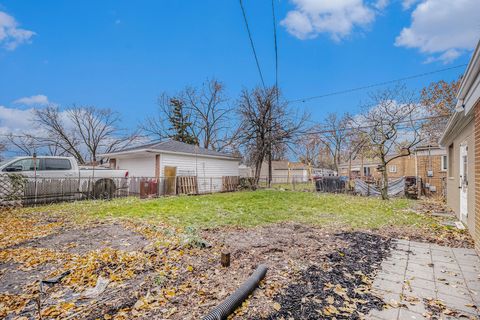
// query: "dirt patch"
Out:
[278,242]
[72,241]
[157,271]
[91,237]
[203,283]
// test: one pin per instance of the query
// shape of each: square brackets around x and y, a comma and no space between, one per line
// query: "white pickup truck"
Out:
[61,177]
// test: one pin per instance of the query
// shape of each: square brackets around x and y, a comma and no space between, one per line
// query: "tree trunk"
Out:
[384,190]
[270,167]
[350,173]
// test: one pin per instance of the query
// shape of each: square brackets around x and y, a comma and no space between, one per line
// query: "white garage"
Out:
[178,167]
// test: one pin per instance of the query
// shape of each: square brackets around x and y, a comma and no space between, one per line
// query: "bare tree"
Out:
[208,117]
[82,132]
[391,127]
[439,100]
[28,144]
[309,147]
[51,121]
[334,133]
[24,144]
[355,145]
[264,124]
[211,115]
[3,148]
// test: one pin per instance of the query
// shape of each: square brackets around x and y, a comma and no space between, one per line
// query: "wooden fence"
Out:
[18,190]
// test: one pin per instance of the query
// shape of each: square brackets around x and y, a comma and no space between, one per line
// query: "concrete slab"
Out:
[417,271]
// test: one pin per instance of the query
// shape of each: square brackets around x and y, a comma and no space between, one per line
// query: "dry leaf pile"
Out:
[338,287]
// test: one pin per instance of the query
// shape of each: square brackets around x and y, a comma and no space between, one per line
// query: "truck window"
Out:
[57,164]
[23,165]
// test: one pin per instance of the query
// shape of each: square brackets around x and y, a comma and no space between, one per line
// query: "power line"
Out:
[252,44]
[378,84]
[275,45]
[331,131]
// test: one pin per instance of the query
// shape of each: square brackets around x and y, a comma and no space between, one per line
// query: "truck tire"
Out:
[104,189]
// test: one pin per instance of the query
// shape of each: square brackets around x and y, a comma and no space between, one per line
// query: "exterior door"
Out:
[463,182]
[170,180]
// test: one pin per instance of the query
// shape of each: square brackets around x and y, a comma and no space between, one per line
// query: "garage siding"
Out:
[209,171]
[200,166]
[139,166]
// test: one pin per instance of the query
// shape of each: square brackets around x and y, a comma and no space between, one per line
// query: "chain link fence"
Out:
[17,190]
[413,187]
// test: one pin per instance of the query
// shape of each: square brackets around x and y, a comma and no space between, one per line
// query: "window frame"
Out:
[392,168]
[444,163]
[450,157]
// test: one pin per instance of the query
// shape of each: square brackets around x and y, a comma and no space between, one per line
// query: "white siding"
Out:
[141,166]
[209,171]
[202,166]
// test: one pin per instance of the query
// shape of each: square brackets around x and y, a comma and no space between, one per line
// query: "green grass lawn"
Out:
[249,209]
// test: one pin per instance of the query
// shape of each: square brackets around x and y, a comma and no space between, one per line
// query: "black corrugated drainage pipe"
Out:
[224,309]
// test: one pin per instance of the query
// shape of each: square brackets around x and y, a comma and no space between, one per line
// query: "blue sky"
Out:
[123,54]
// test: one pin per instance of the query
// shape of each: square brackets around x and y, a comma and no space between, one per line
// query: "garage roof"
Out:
[171,146]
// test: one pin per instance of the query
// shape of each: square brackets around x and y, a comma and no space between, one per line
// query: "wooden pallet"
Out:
[230,183]
[187,185]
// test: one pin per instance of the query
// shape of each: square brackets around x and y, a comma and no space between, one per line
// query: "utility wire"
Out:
[275,45]
[378,84]
[369,126]
[252,44]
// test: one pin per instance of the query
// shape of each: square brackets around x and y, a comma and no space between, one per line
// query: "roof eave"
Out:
[111,154]
[470,74]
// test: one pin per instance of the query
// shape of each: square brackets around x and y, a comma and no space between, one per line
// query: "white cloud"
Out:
[442,29]
[407,4]
[381,4]
[10,35]
[39,100]
[16,121]
[337,18]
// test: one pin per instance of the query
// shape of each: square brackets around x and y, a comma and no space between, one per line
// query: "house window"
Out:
[443,163]
[450,160]
[392,169]
[366,171]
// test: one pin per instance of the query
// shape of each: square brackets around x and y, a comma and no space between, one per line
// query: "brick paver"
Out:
[416,271]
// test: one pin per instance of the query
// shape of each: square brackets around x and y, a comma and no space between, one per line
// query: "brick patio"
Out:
[416,271]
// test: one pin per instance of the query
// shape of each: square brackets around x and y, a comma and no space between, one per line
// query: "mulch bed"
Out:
[339,287]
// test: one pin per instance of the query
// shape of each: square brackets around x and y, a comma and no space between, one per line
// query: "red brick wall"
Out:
[434,162]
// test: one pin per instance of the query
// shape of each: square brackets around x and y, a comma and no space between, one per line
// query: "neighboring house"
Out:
[170,158]
[284,171]
[462,140]
[363,167]
[427,162]
[245,171]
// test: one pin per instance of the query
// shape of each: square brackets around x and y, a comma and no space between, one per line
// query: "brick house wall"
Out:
[433,163]
[405,166]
